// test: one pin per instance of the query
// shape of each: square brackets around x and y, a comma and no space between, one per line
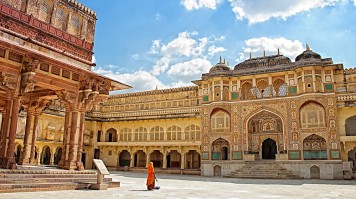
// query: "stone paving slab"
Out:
[194,187]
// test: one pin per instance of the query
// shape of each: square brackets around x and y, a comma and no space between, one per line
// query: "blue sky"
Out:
[161,44]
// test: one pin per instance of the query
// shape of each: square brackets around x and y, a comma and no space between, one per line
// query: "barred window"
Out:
[312,116]
[174,133]
[192,132]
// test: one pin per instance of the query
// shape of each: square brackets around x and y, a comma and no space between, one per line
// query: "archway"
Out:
[46,155]
[57,155]
[352,157]
[140,159]
[269,149]
[217,170]
[124,158]
[220,149]
[173,159]
[192,160]
[314,148]
[157,158]
[315,172]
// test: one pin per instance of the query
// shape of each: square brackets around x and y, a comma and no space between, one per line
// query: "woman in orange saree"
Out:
[151,177]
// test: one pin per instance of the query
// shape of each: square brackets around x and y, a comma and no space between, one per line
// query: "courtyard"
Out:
[186,186]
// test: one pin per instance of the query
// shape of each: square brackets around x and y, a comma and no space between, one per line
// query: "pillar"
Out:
[39,156]
[25,159]
[80,165]
[164,160]
[33,142]
[132,159]
[148,159]
[5,129]
[51,162]
[71,163]
[9,161]
[182,161]
[64,156]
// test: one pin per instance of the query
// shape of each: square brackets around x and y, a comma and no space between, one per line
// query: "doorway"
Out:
[269,149]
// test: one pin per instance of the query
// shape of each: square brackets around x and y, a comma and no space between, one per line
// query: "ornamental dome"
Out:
[219,67]
[308,55]
[265,62]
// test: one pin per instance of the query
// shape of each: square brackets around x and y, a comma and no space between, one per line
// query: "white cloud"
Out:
[182,45]
[158,16]
[355,2]
[286,47]
[139,80]
[156,45]
[189,70]
[256,11]
[197,4]
[213,50]
[93,60]
[161,65]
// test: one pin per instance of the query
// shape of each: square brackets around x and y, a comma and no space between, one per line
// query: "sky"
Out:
[159,44]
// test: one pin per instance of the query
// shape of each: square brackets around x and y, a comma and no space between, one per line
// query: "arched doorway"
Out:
[157,158]
[269,149]
[124,159]
[352,157]
[220,149]
[57,155]
[217,170]
[173,159]
[46,155]
[315,172]
[140,159]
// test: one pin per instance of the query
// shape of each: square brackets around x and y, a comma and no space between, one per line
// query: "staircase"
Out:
[45,180]
[263,170]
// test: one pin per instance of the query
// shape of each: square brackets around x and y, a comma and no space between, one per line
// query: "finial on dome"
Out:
[220,60]
[250,55]
[307,46]
[264,53]
[224,61]
[278,51]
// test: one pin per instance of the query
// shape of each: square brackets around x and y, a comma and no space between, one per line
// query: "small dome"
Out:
[219,67]
[307,55]
[264,62]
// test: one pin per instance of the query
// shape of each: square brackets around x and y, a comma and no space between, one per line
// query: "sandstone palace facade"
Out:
[298,115]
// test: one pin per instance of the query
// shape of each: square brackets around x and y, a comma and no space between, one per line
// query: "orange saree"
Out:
[151,177]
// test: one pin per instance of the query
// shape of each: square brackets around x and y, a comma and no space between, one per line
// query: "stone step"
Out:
[47,180]
[7,188]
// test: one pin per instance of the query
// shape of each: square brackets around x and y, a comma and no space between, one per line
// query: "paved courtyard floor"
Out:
[194,187]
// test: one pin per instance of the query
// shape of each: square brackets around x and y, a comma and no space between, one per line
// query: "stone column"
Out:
[148,159]
[33,144]
[132,159]
[80,165]
[164,160]
[182,161]
[10,162]
[39,157]
[73,142]
[25,159]
[51,162]
[64,156]
[5,129]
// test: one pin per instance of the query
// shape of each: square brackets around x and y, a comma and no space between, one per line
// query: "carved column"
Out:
[25,159]
[132,159]
[64,156]
[10,162]
[73,142]
[39,157]
[148,158]
[80,142]
[51,162]
[182,161]
[5,129]
[164,159]
[33,141]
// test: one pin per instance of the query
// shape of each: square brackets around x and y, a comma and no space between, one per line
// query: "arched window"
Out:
[220,149]
[350,126]
[192,132]
[157,133]
[220,121]
[262,86]
[61,18]
[265,122]
[141,134]
[111,135]
[174,133]
[246,90]
[75,25]
[125,134]
[23,7]
[45,10]
[312,115]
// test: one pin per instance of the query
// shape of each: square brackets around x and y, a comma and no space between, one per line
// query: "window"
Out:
[192,132]
[125,134]
[220,121]
[141,134]
[157,133]
[312,116]
[174,133]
